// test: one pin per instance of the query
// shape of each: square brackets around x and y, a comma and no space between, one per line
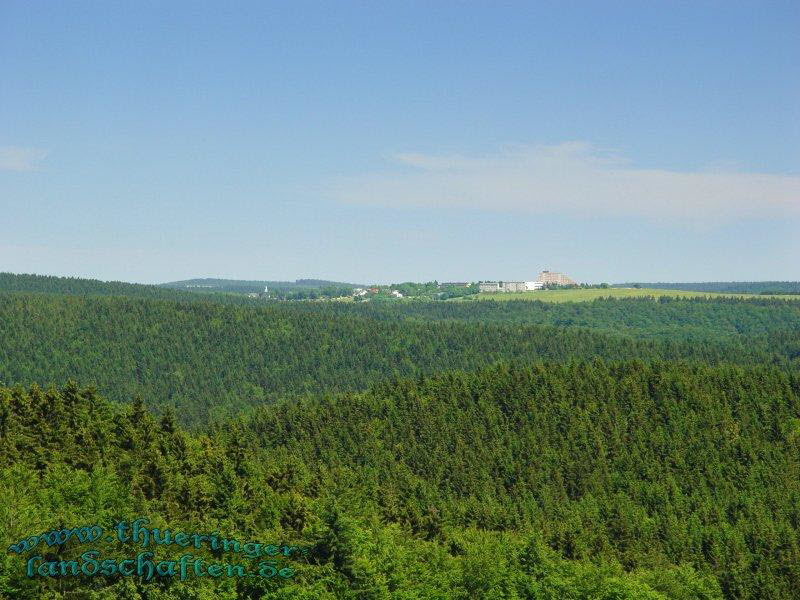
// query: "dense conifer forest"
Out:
[649,317]
[245,287]
[206,359]
[76,286]
[615,449]
[583,480]
[735,287]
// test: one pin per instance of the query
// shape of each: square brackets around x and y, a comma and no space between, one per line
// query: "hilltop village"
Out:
[450,289]
[319,289]
[432,290]
[546,279]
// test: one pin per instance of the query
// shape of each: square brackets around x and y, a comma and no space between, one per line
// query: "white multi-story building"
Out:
[503,286]
[533,285]
[514,286]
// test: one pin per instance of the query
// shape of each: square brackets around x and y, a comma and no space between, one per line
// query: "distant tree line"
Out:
[731,287]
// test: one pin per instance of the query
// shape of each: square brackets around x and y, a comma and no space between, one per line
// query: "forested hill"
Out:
[223,291]
[205,358]
[75,286]
[586,480]
[244,286]
[664,317]
[732,287]
[648,464]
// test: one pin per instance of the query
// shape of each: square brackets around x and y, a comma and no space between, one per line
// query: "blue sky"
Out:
[382,142]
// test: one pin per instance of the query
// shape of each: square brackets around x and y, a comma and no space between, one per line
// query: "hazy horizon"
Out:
[357,282]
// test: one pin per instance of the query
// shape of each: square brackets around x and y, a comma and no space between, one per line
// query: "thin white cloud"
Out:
[15,158]
[577,179]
